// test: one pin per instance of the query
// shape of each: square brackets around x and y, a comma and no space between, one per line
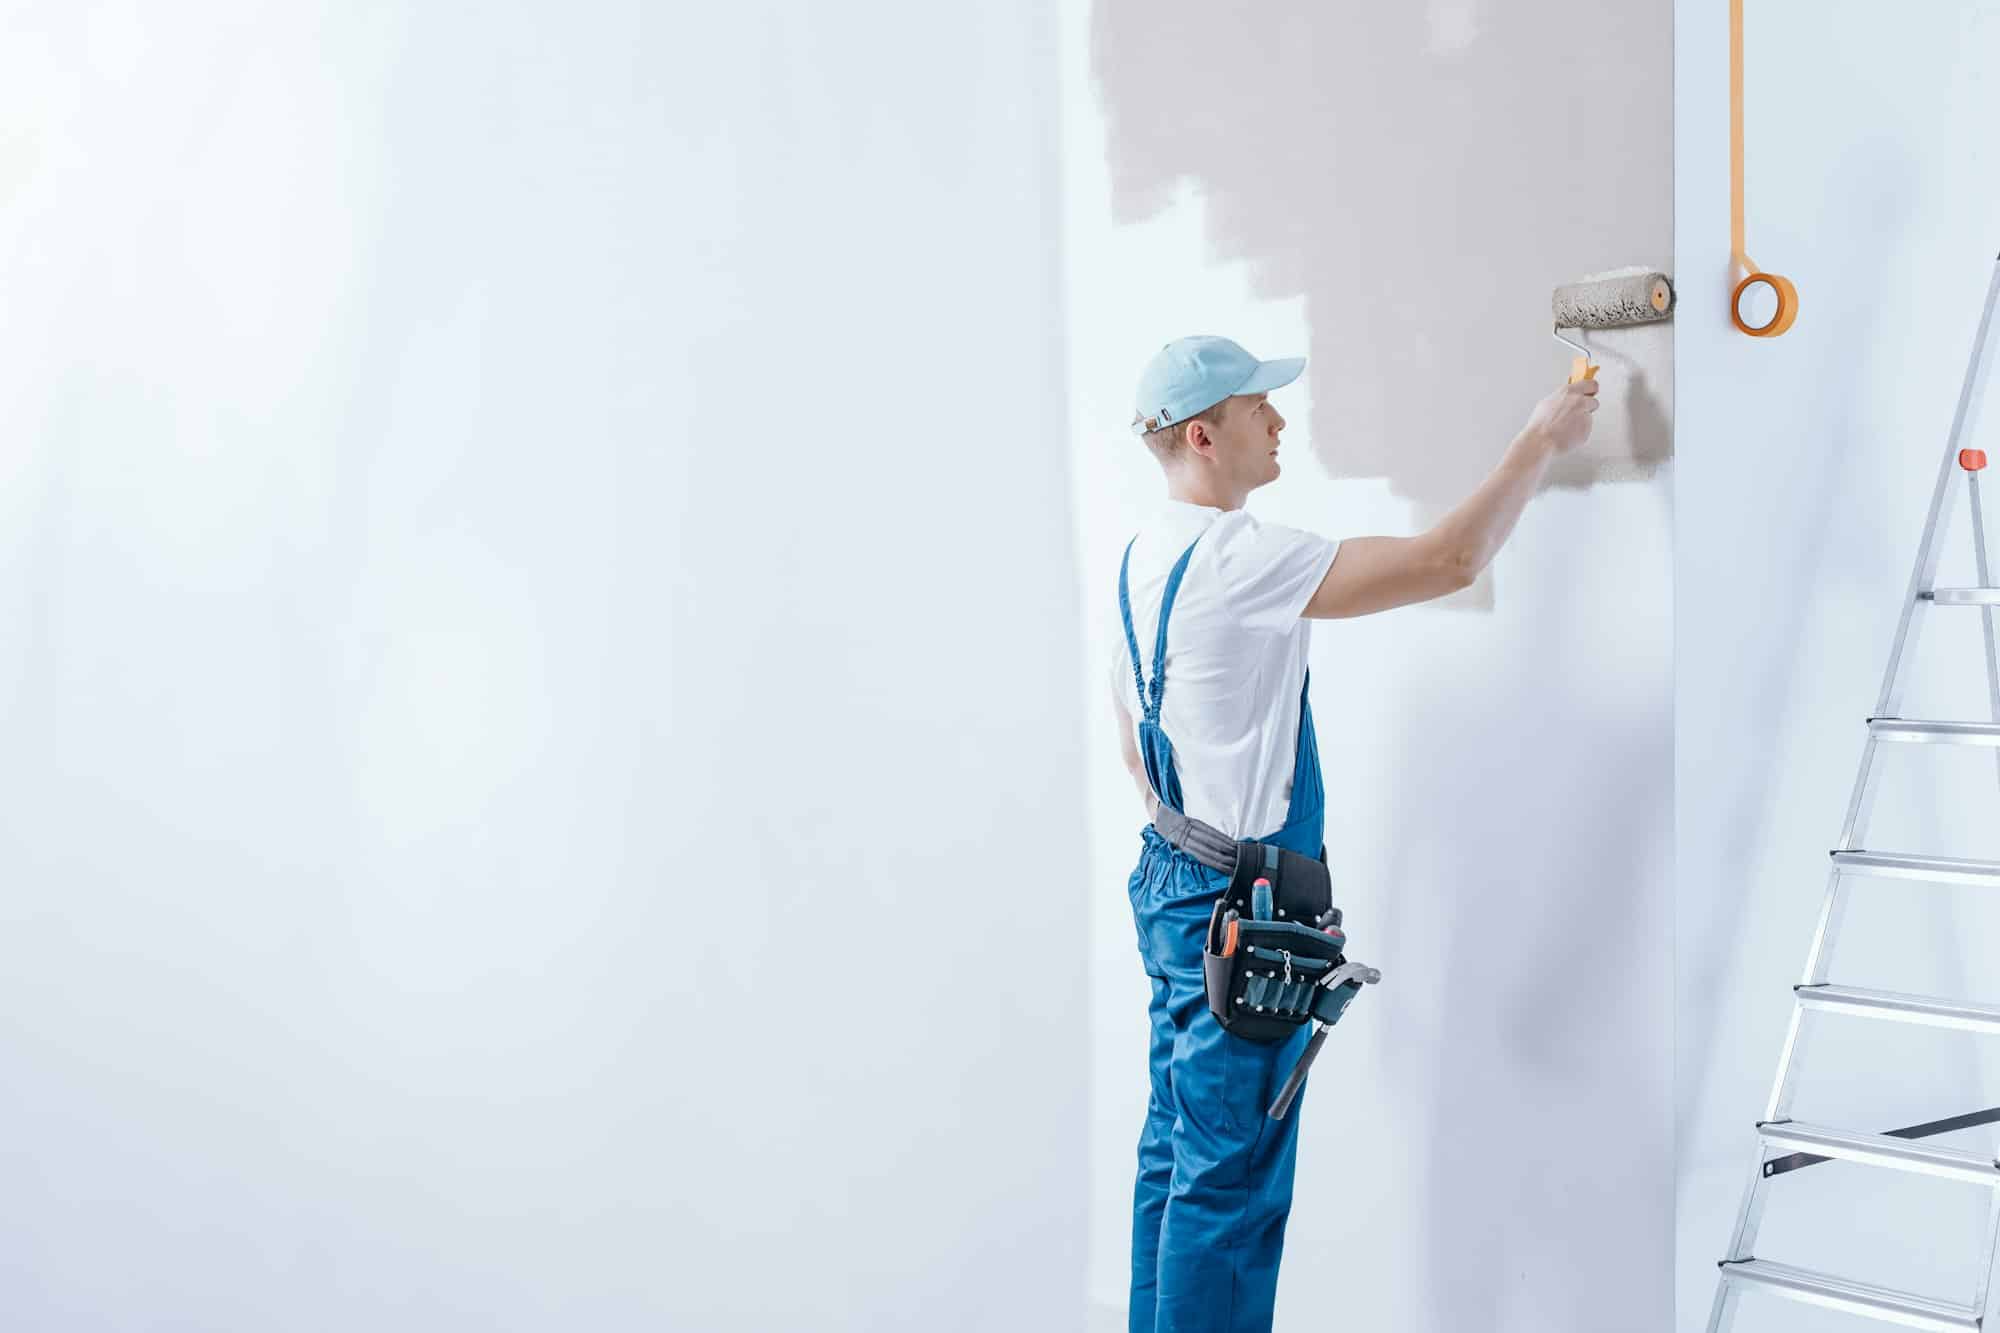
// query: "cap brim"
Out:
[1271,375]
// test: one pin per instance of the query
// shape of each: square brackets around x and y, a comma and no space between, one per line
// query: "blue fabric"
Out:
[1214,1186]
[1154,748]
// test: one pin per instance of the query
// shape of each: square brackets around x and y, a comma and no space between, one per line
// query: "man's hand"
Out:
[1563,418]
[1376,573]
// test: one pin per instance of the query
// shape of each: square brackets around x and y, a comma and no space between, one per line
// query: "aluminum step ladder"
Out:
[1785,1145]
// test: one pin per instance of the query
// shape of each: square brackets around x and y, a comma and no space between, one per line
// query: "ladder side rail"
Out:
[1964,421]
[1982,1290]
[1985,575]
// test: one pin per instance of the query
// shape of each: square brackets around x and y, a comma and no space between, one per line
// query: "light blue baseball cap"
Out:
[1190,374]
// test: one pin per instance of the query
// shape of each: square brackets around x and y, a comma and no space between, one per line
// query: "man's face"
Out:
[1246,440]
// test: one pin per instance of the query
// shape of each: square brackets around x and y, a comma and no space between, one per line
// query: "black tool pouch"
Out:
[1265,955]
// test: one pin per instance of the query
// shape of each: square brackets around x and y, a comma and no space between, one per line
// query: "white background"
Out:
[433,446]
[1805,466]
[536,607]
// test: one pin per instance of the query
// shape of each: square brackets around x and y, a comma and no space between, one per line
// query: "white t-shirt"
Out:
[1237,650]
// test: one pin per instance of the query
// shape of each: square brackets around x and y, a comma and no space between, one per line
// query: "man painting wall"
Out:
[1226,604]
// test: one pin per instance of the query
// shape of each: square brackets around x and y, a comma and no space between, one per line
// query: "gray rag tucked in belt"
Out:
[1204,842]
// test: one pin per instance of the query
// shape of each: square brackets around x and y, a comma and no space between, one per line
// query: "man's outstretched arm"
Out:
[1372,574]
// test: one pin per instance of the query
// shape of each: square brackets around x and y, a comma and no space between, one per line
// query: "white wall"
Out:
[1393,192]
[1805,465]
[534,550]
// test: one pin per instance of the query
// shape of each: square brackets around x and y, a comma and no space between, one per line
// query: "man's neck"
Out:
[1199,491]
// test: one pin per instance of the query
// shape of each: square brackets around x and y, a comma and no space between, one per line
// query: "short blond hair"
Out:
[1170,442]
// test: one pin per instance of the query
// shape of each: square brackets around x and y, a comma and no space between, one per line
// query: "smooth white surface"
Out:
[534,553]
[1486,1143]
[1805,465]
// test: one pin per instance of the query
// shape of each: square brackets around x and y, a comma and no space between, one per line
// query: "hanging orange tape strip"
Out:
[1781,287]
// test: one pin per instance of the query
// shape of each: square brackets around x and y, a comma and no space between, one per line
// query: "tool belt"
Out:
[1271,943]
[1273,938]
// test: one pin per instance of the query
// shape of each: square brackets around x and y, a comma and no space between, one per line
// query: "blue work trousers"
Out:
[1215,1172]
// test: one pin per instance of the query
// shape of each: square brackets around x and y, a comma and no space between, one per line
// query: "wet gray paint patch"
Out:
[1424,175]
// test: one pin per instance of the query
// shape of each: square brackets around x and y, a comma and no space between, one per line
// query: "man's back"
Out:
[1236,659]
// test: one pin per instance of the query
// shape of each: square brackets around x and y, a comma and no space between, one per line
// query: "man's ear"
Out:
[1197,436]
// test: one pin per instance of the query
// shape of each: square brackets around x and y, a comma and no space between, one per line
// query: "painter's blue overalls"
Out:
[1215,1174]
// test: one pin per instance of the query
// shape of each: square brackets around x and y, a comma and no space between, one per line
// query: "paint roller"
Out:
[1614,301]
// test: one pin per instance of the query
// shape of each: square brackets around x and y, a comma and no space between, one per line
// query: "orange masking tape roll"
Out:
[1787,311]
[1781,287]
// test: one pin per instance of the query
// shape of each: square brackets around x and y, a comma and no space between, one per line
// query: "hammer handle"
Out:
[1298,1078]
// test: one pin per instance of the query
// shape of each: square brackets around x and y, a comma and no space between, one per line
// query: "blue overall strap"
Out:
[1125,613]
[1304,829]
[1154,747]
[1149,697]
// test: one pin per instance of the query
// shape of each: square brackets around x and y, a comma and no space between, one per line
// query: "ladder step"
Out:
[1963,596]
[1838,1293]
[1883,1150]
[1934,733]
[1924,1009]
[1940,869]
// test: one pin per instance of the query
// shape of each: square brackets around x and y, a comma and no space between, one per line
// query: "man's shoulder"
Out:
[1243,532]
